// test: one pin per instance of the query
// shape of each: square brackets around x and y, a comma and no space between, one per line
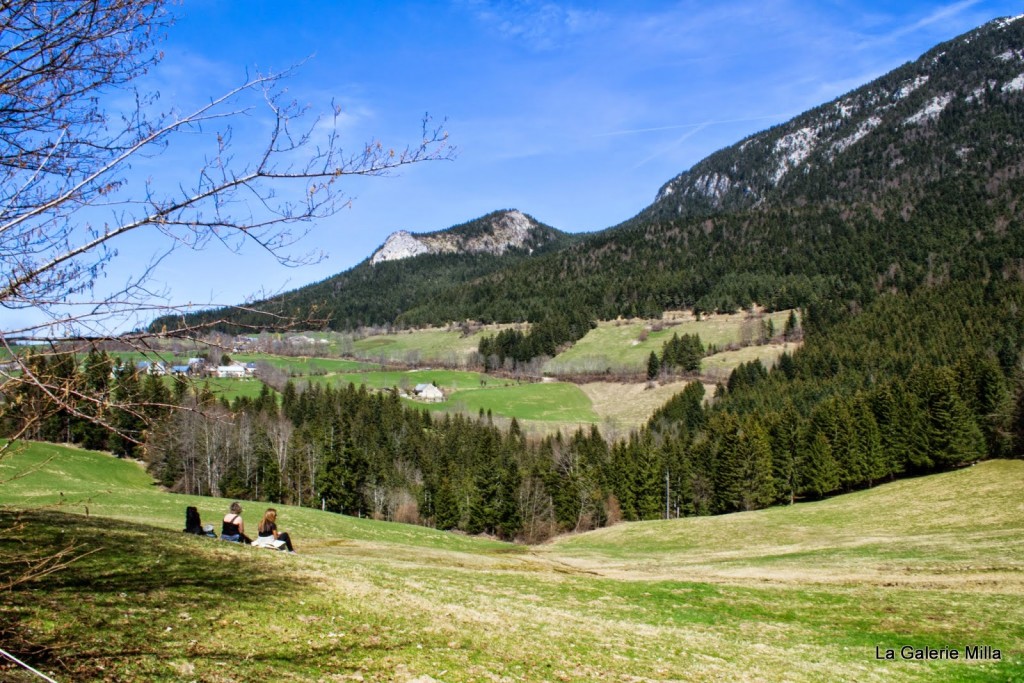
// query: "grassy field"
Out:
[448,346]
[625,406]
[803,593]
[547,402]
[301,365]
[718,367]
[449,380]
[470,392]
[621,345]
[540,408]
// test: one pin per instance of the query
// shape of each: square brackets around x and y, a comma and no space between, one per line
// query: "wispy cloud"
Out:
[666,149]
[696,126]
[538,25]
[937,16]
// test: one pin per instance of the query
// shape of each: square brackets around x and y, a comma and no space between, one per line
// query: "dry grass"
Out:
[718,367]
[628,405]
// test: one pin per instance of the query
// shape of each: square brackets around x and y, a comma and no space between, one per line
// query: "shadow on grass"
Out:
[129,593]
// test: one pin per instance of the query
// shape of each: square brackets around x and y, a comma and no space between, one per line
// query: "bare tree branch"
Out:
[71,192]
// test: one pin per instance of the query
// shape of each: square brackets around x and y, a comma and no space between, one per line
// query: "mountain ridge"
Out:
[906,96]
[378,291]
[909,179]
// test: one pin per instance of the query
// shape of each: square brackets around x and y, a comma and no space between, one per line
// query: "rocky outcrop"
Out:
[494,234]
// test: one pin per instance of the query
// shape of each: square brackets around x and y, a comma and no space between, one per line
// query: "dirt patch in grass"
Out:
[628,405]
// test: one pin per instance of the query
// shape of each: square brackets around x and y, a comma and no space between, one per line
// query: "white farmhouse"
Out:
[428,392]
[237,371]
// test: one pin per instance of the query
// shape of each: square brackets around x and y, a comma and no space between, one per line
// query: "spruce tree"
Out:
[653,366]
[754,457]
[820,472]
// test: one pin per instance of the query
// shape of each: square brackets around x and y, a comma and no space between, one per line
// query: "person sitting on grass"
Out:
[233,528]
[268,527]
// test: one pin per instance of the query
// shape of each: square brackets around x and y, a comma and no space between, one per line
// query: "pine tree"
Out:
[820,472]
[869,441]
[653,366]
[953,435]
[754,457]
[446,506]
[785,440]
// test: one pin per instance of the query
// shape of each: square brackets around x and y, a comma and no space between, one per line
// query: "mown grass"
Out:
[228,388]
[626,406]
[693,599]
[544,402]
[449,380]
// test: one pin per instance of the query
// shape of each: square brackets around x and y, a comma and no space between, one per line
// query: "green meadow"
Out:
[544,401]
[305,365]
[809,592]
[622,346]
[448,346]
[625,345]
[449,380]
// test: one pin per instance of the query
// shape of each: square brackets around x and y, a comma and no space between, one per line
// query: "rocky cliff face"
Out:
[494,234]
[399,245]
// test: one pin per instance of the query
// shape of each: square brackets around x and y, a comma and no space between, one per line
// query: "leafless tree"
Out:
[70,190]
[75,128]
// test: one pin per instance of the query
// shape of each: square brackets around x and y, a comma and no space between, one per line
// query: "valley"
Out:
[599,380]
[770,427]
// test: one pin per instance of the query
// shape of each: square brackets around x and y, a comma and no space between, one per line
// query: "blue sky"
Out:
[574,112]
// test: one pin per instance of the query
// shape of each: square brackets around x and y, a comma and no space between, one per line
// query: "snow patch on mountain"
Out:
[979,91]
[713,186]
[865,127]
[793,149]
[1016,85]
[1003,23]
[846,108]
[931,110]
[908,87]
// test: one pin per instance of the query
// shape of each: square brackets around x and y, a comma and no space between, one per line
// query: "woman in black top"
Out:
[233,528]
[268,527]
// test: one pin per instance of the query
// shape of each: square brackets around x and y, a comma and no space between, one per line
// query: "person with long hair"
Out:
[268,527]
[233,528]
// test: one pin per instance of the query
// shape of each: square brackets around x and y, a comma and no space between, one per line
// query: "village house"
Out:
[428,392]
[237,371]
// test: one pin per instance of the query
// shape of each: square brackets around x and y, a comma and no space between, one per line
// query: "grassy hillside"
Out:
[953,529]
[799,594]
[548,401]
[624,345]
[432,345]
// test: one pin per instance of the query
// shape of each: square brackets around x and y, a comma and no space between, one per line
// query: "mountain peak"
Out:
[494,233]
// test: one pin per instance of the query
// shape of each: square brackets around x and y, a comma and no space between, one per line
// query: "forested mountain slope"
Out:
[911,179]
[408,270]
